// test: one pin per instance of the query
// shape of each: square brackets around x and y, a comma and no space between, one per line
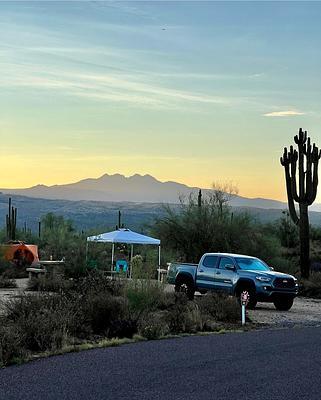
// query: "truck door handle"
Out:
[218,273]
[201,270]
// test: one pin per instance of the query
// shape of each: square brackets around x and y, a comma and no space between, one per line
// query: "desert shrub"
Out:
[54,284]
[285,264]
[7,283]
[183,315]
[311,287]
[108,315]
[10,270]
[315,233]
[192,229]
[220,307]
[4,264]
[153,325]
[143,297]
[11,344]
[43,320]
[96,283]
[287,231]
[137,267]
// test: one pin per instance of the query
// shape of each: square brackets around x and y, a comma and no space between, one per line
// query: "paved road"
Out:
[280,364]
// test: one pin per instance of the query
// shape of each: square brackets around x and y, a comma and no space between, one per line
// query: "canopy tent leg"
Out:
[159,263]
[131,260]
[112,256]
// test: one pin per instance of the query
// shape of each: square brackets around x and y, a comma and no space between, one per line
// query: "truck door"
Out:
[224,276]
[205,274]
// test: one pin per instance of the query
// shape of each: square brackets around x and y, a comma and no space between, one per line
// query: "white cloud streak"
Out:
[288,113]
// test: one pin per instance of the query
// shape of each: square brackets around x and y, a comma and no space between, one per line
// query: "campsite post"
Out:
[244,302]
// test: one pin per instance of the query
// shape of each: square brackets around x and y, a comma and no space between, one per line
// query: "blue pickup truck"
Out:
[234,274]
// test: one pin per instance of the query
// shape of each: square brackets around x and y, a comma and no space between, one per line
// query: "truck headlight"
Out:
[263,278]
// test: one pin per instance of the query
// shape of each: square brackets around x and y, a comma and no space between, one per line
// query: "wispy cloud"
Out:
[114,87]
[288,113]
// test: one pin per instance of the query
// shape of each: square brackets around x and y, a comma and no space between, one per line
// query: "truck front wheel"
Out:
[185,286]
[283,303]
[251,295]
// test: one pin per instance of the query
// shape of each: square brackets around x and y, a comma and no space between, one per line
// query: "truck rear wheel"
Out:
[283,303]
[185,286]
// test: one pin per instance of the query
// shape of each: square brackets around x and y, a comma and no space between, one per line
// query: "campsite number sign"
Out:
[244,298]
[244,302]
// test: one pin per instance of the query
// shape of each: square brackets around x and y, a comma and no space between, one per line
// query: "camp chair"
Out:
[121,265]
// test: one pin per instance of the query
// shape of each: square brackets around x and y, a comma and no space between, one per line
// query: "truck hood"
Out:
[271,274]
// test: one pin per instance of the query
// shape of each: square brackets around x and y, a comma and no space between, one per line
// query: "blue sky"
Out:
[189,91]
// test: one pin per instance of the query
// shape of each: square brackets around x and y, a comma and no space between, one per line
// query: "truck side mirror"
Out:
[271,268]
[230,267]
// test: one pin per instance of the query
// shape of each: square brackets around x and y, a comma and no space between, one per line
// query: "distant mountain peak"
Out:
[136,188]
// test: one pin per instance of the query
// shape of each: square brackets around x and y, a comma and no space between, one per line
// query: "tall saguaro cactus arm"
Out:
[290,188]
[305,161]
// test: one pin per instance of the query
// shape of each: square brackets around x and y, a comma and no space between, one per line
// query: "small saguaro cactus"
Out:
[11,222]
[199,199]
[305,160]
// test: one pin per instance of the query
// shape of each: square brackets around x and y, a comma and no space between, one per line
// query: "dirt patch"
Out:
[305,312]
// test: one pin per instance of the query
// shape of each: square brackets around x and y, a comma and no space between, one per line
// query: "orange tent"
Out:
[20,253]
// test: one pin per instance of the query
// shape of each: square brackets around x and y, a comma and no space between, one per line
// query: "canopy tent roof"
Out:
[123,236]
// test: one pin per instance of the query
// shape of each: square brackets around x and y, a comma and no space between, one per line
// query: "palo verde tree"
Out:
[305,161]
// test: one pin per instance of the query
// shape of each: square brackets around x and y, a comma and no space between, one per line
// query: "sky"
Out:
[194,92]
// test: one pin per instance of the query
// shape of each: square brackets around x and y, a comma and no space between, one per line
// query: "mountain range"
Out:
[136,188]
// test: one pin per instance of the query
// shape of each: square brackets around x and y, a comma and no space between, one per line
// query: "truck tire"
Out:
[252,295]
[185,285]
[283,303]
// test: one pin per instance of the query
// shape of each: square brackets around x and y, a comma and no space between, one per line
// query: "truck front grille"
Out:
[284,283]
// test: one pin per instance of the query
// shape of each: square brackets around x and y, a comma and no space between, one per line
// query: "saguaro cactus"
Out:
[11,222]
[199,199]
[305,160]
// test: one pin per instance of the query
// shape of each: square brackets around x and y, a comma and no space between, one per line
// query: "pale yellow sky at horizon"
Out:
[34,172]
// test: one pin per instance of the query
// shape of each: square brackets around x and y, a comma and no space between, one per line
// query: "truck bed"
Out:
[182,267]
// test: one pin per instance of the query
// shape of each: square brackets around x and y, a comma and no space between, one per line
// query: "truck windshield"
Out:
[252,264]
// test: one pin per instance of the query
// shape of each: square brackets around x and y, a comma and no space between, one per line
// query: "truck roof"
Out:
[229,255]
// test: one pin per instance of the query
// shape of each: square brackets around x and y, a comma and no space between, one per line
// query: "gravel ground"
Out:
[305,312]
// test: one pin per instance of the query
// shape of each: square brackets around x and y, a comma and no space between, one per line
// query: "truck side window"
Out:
[210,261]
[225,261]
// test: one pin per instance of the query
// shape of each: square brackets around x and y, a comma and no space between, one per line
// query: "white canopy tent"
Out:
[128,237]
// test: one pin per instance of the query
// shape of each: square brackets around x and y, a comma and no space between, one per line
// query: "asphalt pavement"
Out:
[268,364]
